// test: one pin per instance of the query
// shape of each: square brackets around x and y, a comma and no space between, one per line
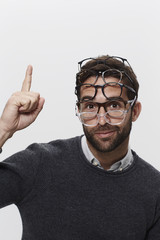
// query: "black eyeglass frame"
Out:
[77,89]
[104,61]
[108,102]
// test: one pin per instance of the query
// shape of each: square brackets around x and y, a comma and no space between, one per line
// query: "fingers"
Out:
[28,80]
[28,102]
[33,110]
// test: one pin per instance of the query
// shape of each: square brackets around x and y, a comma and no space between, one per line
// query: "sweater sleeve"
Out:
[17,176]
[154,232]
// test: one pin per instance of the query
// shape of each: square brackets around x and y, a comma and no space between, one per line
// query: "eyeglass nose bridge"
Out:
[102,115]
[108,119]
[99,107]
[105,86]
[96,89]
[102,89]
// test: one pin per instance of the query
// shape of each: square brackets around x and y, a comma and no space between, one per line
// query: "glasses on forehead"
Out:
[84,74]
[104,61]
[110,90]
[115,111]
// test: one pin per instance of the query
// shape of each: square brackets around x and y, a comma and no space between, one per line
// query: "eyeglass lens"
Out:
[92,119]
[108,75]
[88,91]
[108,106]
[114,112]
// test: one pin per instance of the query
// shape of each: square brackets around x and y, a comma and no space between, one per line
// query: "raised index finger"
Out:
[28,80]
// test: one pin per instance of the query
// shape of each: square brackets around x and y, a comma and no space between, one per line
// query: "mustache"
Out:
[106,128]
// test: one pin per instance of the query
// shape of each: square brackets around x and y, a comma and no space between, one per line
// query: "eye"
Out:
[88,106]
[116,105]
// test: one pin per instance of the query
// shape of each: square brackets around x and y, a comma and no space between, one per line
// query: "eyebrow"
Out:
[86,97]
[109,99]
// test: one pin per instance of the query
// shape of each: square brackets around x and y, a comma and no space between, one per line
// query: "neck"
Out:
[107,159]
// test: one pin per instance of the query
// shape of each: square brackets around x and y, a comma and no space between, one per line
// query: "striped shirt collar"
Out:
[117,166]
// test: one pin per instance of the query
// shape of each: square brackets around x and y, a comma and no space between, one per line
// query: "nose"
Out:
[102,120]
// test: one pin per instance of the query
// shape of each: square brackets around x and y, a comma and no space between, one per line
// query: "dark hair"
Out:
[106,62]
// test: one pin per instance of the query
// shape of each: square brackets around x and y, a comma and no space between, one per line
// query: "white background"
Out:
[53,35]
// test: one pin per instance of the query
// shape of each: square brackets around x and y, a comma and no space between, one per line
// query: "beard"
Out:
[111,143]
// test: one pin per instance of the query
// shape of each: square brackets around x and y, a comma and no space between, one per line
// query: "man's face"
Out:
[105,137]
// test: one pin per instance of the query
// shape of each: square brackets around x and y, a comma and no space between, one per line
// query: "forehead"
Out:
[99,80]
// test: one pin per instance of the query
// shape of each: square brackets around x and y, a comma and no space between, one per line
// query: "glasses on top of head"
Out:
[88,91]
[85,74]
[115,111]
[124,61]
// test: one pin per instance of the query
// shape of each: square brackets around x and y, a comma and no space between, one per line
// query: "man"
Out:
[91,186]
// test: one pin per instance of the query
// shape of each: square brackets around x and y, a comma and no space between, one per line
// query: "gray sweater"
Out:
[61,196]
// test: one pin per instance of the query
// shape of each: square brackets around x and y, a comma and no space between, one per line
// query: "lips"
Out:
[105,134]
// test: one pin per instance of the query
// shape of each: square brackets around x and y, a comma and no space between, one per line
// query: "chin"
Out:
[108,144]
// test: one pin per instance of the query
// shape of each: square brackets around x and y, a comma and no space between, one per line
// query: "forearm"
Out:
[4,136]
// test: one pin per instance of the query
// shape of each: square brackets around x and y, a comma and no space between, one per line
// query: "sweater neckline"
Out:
[85,161]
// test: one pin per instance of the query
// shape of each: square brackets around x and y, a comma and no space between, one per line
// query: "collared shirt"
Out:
[117,166]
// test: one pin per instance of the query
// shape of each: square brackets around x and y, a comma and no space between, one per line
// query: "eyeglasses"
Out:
[115,111]
[122,63]
[87,91]
[121,60]
[86,73]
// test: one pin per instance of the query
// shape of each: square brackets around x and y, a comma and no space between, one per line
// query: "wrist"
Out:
[4,135]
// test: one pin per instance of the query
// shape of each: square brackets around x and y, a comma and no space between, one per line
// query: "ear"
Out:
[136,111]
[76,109]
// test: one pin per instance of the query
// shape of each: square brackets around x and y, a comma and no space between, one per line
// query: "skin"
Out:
[21,109]
[109,143]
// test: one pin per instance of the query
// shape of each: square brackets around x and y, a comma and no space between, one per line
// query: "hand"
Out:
[21,109]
